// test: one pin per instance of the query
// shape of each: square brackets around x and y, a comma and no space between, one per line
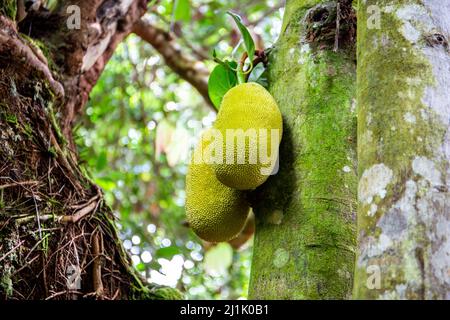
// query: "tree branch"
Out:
[113,25]
[266,14]
[189,69]
[81,54]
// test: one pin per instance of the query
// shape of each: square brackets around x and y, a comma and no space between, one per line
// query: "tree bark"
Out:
[305,215]
[193,71]
[404,150]
[58,239]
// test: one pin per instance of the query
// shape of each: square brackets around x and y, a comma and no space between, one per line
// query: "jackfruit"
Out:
[215,212]
[252,112]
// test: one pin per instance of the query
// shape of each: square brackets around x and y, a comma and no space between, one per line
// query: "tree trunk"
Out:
[404,150]
[57,236]
[305,215]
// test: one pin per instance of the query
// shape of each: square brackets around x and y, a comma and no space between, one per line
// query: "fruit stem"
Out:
[260,57]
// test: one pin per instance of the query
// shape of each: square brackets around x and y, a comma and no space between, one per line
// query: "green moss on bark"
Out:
[8,8]
[308,251]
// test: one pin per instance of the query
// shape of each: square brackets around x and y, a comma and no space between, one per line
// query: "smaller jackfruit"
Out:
[251,127]
[215,212]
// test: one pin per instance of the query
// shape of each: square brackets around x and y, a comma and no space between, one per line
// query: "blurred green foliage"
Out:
[135,137]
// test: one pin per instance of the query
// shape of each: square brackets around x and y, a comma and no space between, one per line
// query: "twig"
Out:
[11,251]
[66,164]
[44,274]
[80,206]
[90,206]
[41,218]
[64,246]
[36,245]
[97,267]
[37,217]
[338,25]
[9,185]
[116,294]
[188,68]
[25,265]
[80,213]
[63,292]
[3,224]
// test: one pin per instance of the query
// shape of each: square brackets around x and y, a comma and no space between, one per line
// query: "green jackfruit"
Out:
[252,112]
[214,211]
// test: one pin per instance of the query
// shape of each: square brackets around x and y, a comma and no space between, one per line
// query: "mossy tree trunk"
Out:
[403,150]
[57,237]
[305,215]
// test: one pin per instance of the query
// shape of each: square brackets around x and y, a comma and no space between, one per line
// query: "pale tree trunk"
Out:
[58,238]
[403,150]
[305,215]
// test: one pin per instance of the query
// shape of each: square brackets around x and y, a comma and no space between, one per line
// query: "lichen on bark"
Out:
[305,215]
[403,150]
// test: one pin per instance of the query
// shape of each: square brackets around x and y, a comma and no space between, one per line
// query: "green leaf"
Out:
[259,75]
[151,3]
[222,79]
[248,40]
[140,267]
[167,252]
[102,161]
[182,10]
[105,183]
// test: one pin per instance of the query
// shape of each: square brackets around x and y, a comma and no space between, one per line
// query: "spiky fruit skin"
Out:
[247,106]
[215,212]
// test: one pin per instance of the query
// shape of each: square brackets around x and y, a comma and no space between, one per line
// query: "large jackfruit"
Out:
[252,112]
[214,211]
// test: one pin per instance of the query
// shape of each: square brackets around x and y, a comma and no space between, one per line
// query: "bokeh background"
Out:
[135,139]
